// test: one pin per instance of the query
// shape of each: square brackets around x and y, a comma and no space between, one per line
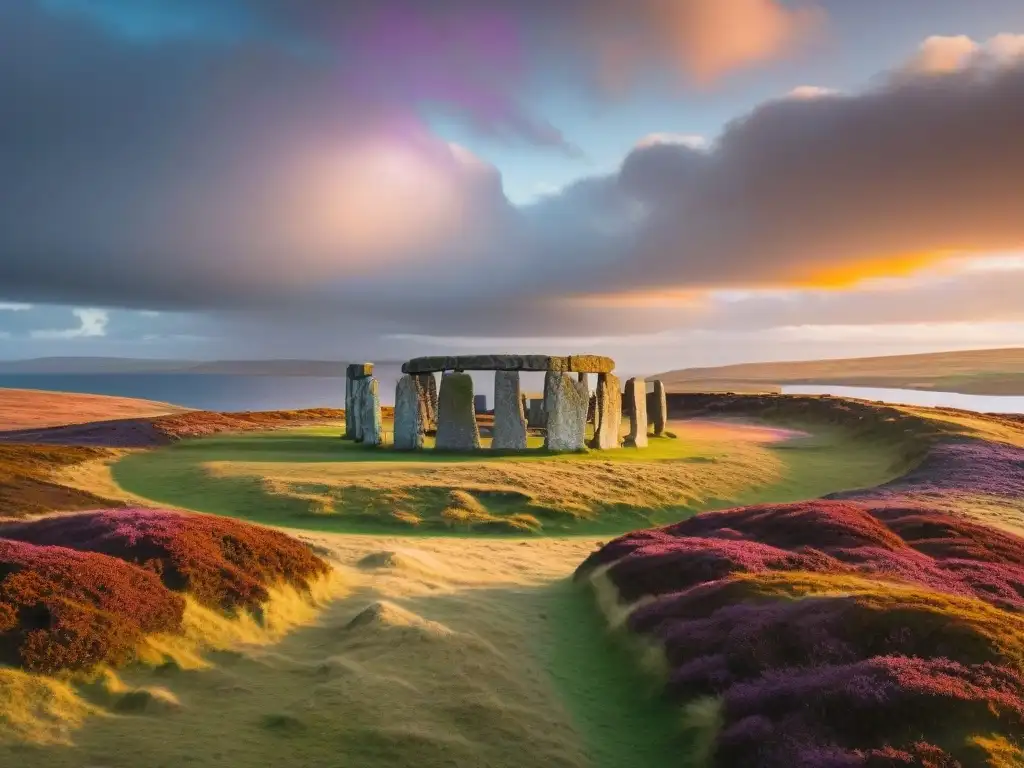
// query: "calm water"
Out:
[206,391]
[981,403]
[217,392]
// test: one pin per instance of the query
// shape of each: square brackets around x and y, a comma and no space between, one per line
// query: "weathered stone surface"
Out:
[576,363]
[607,413]
[509,431]
[592,408]
[434,364]
[456,419]
[565,402]
[591,364]
[350,430]
[354,417]
[636,405]
[536,418]
[409,414]
[659,411]
[370,423]
[426,389]
[359,370]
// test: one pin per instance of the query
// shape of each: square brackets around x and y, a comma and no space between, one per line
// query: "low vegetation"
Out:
[880,631]
[80,590]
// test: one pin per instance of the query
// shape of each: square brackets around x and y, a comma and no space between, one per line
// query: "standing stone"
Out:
[509,432]
[660,407]
[370,422]
[537,418]
[350,431]
[409,414]
[636,404]
[426,387]
[456,418]
[565,403]
[354,418]
[607,413]
[480,403]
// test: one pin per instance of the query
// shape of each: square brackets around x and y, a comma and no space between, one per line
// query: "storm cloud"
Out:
[250,170]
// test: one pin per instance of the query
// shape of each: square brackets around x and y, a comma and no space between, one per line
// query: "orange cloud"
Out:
[703,39]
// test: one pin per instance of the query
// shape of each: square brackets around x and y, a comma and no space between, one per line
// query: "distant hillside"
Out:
[980,372]
[84,365]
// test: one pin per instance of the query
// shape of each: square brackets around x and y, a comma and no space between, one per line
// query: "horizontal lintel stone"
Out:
[540,363]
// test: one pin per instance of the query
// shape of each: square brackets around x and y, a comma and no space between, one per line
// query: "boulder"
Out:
[659,409]
[509,431]
[607,413]
[409,415]
[636,406]
[456,419]
[371,425]
[565,404]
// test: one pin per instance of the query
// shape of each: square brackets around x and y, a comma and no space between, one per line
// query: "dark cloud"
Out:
[259,178]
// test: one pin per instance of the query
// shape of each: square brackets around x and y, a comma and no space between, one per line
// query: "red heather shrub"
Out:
[223,563]
[941,551]
[67,610]
[872,713]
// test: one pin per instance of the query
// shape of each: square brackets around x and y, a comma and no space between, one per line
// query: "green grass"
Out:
[309,478]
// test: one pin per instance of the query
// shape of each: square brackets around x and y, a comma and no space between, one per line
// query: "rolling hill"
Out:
[979,371]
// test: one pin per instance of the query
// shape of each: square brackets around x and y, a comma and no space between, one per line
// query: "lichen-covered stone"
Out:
[509,432]
[577,363]
[607,413]
[426,390]
[359,370]
[565,403]
[456,419]
[659,408]
[409,428]
[371,424]
[591,364]
[636,405]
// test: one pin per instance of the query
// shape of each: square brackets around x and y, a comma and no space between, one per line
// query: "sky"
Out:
[673,183]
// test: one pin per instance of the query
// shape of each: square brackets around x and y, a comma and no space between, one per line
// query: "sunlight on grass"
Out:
[309,478]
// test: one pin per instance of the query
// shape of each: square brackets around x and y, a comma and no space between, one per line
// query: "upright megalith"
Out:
[659,415]
[607,412]
[410,414]
[354,375]
[426,388]
[535,416]
[509,431]
[371,424]
[565,404]
[456,418]
[636,405]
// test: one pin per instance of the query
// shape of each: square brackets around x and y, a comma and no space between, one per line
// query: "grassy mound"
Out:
[81,590]
[835,632]
[29,485]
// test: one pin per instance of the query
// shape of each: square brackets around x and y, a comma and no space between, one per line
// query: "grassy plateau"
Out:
[787,582]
